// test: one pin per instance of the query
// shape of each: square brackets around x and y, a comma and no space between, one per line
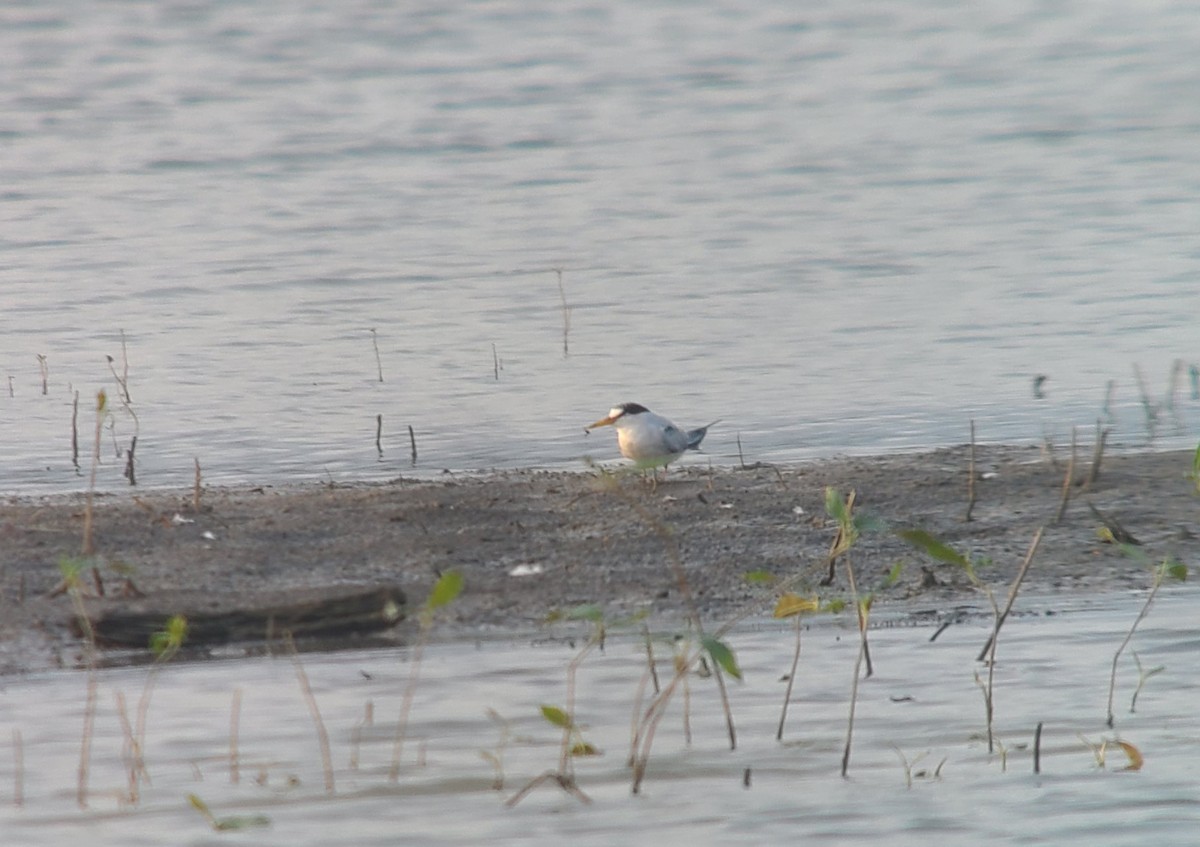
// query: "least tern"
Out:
[650,440]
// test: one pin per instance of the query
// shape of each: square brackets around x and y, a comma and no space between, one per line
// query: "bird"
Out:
[650,440]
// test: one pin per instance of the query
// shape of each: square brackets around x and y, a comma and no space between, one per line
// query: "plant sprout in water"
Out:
[1167,569]
[443,593]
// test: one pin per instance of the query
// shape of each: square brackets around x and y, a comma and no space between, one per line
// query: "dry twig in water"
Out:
[566,311]
[971,476]
[1148,406]
[1068,479]
[314,710]
[235,719]
[75,434]
[18,769]
[1097,455]
[378,360]
[1000,617]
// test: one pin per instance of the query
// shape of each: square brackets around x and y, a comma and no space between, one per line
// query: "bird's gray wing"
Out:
[675,440]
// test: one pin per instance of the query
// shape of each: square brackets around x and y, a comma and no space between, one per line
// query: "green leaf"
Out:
[227,824]
[793,604]
[893,575]
[557,716]
[1176,570]
[722,655]
[836,606]
[233,823]
[201,807]
[934,548]
[71,567]
[869,523]
[584,748]
[585,612]
[630,620]
[759,577]
[835,506]
[1133,552]
[445,590]
[167,641]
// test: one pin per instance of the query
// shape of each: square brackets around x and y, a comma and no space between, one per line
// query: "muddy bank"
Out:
[577,540]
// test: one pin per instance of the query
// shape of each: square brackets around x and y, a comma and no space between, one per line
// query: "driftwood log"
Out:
[325,615]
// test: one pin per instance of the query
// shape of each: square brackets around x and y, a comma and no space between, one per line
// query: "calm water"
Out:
[923,701]
[840,227]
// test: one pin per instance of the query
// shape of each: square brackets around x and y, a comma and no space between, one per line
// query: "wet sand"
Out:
[578,539]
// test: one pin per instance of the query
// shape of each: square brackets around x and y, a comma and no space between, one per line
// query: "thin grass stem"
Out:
[311,700]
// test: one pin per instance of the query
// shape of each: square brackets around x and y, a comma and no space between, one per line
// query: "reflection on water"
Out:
[835,227]
[923,705]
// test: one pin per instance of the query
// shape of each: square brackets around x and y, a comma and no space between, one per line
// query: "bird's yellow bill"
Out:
[603,422]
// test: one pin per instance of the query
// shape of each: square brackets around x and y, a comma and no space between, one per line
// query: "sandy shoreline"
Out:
[580,541]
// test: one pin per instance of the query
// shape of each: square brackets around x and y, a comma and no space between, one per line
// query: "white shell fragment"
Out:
[526,570]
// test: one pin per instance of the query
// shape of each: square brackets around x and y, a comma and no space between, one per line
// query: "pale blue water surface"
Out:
[922,706]
[839,227]
[843,227]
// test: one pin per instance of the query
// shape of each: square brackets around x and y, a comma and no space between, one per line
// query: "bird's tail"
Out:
[695,436]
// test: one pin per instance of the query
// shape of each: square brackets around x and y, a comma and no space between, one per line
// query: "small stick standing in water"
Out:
[235,716]
[1173,385]
[44,368]
[75,434]
[368,720]
[1150,408]
[129,471]
[379,434]
[18,769]
[971,476]
[1109,391]
[378,361]
[89,547]
[123,379]
[311,700]
[1097,455]
[412,439]
[1067,481]
[1000,617]
[566,311]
